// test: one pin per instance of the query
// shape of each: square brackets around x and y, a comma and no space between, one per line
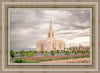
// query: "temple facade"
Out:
[50,43]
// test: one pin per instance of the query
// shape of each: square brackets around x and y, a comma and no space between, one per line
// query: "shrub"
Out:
[75,52]
[64,49]
[27,53]
[12,54]
[16,52]
[52,53]
[30,51]
[58,51]
[42,51]
[46,53]
[30,54]
[20,60]
[88,52]
[22,53]
[35,51]
[83,52]
[67,53]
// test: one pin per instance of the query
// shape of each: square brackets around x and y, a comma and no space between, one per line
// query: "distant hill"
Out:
[25,49]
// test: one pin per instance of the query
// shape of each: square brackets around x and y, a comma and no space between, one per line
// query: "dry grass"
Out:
[79,60]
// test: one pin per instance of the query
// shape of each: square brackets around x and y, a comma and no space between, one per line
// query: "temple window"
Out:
[41,46]
[49,34]
[60,45]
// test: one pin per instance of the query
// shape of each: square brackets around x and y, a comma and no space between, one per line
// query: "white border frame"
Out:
[50,69]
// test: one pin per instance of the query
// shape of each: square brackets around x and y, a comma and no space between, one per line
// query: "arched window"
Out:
[52,35]
[49,34]
[41,46]
[53,46]
[60,45]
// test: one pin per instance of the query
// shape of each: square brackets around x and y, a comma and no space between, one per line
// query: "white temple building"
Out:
[50,43]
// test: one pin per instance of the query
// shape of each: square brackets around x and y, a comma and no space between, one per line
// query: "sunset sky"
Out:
[29,25]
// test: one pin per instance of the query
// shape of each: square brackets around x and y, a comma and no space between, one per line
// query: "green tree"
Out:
[52,53]
[46,53]
[72,51]
[32,54]
[75,52]
[16,52]
[58,51]
[88,52]
[12,54]
[35,51]
[42,51]
[79,49]
[83,52]
[27,53]
[70,48]
[64,49]
[67,53]
[22,53]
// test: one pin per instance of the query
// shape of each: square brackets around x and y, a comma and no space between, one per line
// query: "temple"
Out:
[51,43]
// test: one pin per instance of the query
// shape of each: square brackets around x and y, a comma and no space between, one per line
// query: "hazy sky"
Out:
[28,26]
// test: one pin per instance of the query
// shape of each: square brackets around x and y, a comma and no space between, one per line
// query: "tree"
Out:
[16,52]
[79,49]
[42,51]
[32,54]
[58,51]
[70,48]
[67,53]
[12,54]
[22,53]
[72,51]
[27,52]
[52,53]
[83,52]
[88,52]
[35,51]
[46,53]
[75,52]
[64,49]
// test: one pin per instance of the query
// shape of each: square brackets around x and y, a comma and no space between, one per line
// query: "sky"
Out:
[29,25]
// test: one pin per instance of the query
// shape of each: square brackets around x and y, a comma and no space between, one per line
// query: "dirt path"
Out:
[79,60]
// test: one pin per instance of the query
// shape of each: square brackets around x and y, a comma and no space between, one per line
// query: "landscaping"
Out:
[37,57]
[20,60]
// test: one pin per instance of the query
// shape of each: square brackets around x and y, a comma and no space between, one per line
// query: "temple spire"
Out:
[50,32]
[51,24]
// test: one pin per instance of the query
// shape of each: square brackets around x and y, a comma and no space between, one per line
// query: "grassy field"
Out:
[20,60]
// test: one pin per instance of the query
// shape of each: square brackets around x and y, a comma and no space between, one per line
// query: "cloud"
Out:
[29,25]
